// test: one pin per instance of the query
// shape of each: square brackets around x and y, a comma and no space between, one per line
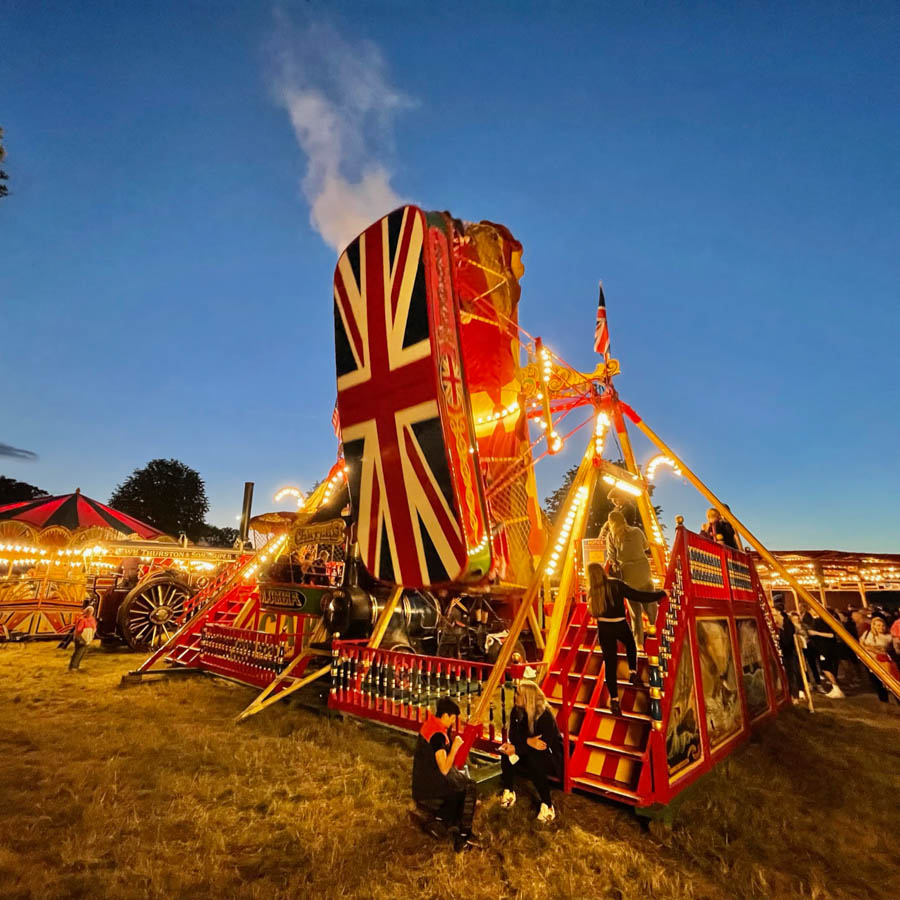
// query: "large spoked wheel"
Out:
[149,613]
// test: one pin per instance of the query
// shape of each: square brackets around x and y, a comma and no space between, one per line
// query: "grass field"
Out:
[155,792]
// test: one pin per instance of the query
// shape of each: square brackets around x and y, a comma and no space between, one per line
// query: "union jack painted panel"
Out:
[409,443]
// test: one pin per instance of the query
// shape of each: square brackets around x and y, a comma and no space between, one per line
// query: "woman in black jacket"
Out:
[534,749]
[607,604]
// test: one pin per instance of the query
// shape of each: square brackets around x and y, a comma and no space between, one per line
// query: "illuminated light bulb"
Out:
[632,489]
[658,461]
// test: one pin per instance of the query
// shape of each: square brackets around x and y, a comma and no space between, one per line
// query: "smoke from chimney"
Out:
[342,108]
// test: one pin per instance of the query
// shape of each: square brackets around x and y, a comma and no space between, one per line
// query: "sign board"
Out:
[321,533]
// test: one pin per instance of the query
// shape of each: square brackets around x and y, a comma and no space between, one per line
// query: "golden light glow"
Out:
[290,491]
[502,414]
[333,482]
[661,460]
[600,426]
[563,540]
[625,486]
[271,549]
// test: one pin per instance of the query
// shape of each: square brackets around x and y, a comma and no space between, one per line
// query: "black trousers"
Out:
[812,662]
[535,765]
[827,649]
[457,809]
[792,667]
[609,634]
[880,689]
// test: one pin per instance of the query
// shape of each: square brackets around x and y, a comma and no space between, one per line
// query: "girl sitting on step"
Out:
[534,749]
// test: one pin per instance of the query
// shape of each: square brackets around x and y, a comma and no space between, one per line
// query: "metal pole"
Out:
[868,661]
[862,593]
[801,663]
[245,511]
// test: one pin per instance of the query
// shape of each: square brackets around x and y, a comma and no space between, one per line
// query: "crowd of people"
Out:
[533,751]
[620,588]
[810,646]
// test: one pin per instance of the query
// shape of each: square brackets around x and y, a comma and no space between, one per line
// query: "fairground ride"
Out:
[445,405]
[59,553]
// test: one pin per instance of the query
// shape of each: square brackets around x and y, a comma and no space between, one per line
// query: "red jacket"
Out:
[83,622]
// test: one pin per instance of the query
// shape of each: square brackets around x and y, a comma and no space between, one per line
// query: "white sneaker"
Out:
[546,814]
[835,693]
[507,799]
[801,695]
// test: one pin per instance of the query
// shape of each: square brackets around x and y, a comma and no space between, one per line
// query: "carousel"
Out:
[62,552]
[452,583]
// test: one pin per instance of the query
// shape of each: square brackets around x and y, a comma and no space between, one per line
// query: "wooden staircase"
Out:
[606,751]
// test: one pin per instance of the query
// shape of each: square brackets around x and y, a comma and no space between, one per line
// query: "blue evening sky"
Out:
[731,172]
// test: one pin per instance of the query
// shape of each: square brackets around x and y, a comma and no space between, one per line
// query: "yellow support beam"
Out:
[521,616]
[384,617]
[259,704]
[868,661]
[569,576]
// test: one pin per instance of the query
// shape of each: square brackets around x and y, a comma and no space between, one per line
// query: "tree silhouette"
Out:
[601,505]
[12,491]
[166,493]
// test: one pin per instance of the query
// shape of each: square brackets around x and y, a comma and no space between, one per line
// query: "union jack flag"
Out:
[601,331]
[409,528]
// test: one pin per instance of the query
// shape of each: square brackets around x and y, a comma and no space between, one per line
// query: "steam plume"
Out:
[342,108]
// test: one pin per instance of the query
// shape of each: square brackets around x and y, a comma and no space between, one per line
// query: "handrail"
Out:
[205,600]
[400,688]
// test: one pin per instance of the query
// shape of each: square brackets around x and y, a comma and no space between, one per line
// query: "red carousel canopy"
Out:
[75,511]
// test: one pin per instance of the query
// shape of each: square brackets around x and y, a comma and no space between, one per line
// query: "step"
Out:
[605,711]
[621,682]
[614,791]
[631,752]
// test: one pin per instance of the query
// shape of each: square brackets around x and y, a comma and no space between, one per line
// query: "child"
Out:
[534,750]
[85,629]
[436,784]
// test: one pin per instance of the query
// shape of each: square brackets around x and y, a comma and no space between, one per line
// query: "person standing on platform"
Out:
[606,597]
[628,552]
[534,749]
[716,527]
[619,502]
[437,785]
[85,629]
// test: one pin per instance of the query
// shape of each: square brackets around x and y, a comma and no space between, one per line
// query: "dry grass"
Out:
[154,792]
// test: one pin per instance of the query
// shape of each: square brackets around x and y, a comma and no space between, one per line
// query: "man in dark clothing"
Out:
[823,643]
[436,784]
[607,604]
[788,647]
[716,527]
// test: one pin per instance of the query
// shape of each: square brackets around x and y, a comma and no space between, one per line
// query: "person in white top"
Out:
[877,641]
[628,551]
